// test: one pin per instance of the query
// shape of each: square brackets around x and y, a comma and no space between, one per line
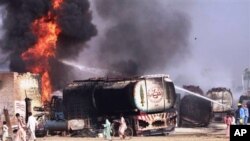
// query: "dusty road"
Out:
[154,138]
[215,132]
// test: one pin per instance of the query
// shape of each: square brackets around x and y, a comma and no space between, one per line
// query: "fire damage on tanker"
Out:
[194,111]
[147,103]
[223,96]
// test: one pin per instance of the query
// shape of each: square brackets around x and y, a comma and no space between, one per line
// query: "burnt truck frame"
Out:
[224,96]
[147,103]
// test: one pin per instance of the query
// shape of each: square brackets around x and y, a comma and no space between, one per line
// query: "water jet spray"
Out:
[97,71]
[200,96]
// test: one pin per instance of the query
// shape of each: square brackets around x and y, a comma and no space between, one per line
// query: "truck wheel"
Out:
[128,133]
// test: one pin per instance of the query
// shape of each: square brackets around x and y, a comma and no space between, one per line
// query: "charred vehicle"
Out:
[245,98]
[223,96]
[194,111]
[146,102]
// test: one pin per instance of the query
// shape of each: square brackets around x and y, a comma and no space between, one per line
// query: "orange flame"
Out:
[37,57]
[57,3]
[46,87]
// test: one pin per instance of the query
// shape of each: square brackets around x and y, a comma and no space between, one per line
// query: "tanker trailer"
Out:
[194,111]
[223,96]
[245,97]
[148,94]
[144,101]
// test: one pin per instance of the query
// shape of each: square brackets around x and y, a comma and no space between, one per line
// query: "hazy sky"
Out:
[219,42]
[222,49]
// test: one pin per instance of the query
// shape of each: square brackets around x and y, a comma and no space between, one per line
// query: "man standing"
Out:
[21,133]
[237,114]
[122,127]
[246,114]
[32,123]
[242,115]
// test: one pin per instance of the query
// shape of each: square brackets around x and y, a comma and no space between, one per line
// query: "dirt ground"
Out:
[215,132]
[152,138]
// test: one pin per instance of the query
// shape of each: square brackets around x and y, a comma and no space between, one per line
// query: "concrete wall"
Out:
[7,91]
[14,88]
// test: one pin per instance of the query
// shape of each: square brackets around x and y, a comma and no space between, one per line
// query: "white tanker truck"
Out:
[147,103]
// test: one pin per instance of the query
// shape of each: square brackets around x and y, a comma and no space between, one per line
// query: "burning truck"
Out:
[147,103]
[223,96]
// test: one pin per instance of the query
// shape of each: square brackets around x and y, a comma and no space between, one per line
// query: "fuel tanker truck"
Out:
[194,111]
[223,96]
[146,102]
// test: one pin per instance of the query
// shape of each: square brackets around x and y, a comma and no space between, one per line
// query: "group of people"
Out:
[23,128]
[108,129]
[242,114]
[240,118]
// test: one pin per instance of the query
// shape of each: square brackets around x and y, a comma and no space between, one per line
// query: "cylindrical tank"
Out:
[221,95]
[193,88]
[245,99]
[147,94]
[56,125]
[195,111]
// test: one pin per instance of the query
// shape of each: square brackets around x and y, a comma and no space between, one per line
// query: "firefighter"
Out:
[242,115]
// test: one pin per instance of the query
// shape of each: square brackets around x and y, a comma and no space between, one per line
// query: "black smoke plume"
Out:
[74,19]
[144,35]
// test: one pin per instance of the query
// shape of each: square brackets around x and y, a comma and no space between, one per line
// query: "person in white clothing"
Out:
[32,123]
[21,133]
[5,131]
[233,119]
[122,127]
